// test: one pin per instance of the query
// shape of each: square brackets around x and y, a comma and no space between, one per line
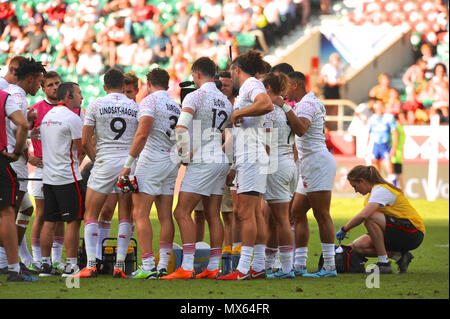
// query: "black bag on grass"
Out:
[347,260]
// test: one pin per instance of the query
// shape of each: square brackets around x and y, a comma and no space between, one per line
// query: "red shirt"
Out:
[143,13]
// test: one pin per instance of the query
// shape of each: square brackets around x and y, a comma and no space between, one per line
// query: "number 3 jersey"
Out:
[115,118]
[165,113]
[212,115]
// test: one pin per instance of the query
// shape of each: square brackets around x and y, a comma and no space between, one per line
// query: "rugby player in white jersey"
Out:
[317,172]
[131,89]
[156,172]
[29,74]
[113,120]
[205,114]
[8,185]
[252,160]
[281,184]
[62,152]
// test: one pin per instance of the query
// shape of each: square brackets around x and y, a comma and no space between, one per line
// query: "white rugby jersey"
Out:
[311,108]
[115,118]
[59,127]
[3,83]
[247,94]
[250,134]
[212,115]
[165,113]
[278,121]
[18,96]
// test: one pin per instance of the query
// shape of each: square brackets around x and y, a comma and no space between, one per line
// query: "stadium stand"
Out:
[170,29]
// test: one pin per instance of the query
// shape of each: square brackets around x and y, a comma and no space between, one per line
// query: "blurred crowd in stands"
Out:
[425,89]
[84,38]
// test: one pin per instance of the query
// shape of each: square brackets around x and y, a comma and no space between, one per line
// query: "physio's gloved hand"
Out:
[340,235]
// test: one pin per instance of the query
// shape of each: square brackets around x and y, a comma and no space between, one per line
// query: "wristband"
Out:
[129,162]
[286,107]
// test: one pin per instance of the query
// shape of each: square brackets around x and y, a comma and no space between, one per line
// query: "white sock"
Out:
[91,239]
[383,259]
[24,253]
[57,247]
[165,250]
[104,228]
[3,258]
[271,254]
[259,256]
[188,256]
[301,255]
[72,261]
[148,261]
[123,239]
[14,267]
[328,256]
[36,249]
[245,259]
[286,258]
[214,258]
[47,260]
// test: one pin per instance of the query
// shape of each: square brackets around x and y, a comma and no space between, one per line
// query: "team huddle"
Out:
[245,151]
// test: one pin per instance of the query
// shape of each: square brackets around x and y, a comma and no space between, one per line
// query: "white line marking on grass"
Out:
[441,245]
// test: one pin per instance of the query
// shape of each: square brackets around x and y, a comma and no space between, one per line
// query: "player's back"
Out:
[212,115]
[281,129]
[313,140]
[165,113]
[115,119]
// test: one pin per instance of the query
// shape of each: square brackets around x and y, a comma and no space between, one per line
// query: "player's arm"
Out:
[362,216]
[299,125]
[87,141]
[182,133]
[80,149]
[261,105]
[18,118]
[139,140]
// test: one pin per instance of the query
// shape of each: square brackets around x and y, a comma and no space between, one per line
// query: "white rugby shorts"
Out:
[105,173]
[156,178]
[281,184]
[205,178]
[37,187]
[317,173]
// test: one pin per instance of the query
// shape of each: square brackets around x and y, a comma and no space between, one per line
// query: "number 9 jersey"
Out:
[115,119]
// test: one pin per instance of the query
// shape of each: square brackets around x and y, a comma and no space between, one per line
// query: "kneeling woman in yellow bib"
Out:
[394,227]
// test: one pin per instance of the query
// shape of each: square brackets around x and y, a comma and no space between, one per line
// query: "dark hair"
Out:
[159,77]
[113,79]
[49,75]
[438,65]
[369,174]
[63,88]
[283,67]
[265,67]
[250,62]
[224,74]
[131,78]
[277,82]
[205,66]
[29,67]
[298,77]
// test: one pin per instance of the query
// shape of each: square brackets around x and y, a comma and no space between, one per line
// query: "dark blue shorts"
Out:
[381,151]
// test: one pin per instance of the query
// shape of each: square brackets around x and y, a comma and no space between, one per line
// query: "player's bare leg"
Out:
[124,234]
[300,206]
[167,232]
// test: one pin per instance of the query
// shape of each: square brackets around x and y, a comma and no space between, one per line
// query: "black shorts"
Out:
[63,202]
[9,186]
[401,235]
[397,167]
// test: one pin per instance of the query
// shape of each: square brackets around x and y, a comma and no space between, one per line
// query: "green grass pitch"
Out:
[427,277]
